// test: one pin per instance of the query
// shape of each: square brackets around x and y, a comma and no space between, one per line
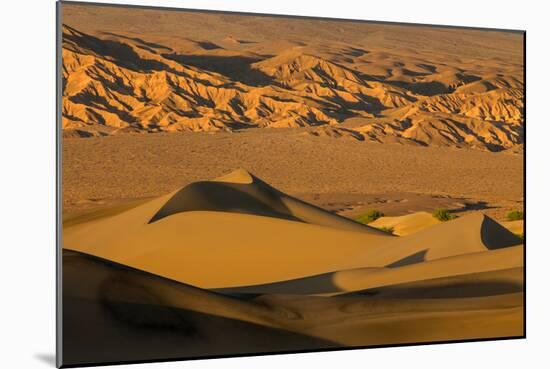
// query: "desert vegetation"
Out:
[370,216]
[443,215]
[514,215]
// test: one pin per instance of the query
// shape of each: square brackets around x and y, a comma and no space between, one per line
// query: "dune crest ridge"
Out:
[239,175]
[241,192]
[467,234]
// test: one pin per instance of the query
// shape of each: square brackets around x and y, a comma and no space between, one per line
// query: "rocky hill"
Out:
[120,83]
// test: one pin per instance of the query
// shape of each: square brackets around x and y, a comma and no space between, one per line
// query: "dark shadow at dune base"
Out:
[317,284]
[456,290]
[133,332]
[112,313]
[492,283]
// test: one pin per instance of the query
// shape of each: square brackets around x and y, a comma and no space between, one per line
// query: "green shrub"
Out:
[515,215]
[443,215]
[370,216]
[386,229]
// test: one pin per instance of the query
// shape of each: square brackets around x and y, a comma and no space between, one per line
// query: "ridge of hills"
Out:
[116,84]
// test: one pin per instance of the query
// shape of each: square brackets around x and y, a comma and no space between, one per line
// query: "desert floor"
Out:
[345,176]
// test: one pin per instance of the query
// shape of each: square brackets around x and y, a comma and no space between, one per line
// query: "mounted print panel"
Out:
[238,184]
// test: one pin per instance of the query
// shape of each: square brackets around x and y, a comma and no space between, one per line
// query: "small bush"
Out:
[370,216]
[386,229]
[515,215]
[443,215]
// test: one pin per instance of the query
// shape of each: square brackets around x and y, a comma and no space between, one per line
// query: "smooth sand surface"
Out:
[240,244]
[514,226]
[228,230]
[406,224]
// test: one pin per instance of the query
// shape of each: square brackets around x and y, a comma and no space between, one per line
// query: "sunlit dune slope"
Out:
[467,234]
[406,224]
[514,226]
[182,236]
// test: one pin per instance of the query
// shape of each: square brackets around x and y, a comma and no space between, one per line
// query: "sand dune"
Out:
[468,234]
[514,226]
[365,279]
[498,282]
[406,224]
[181,246]
[241,192]
[233,227]
[176,236]
[377,320]
[223,82]
[411,223]
[131,315]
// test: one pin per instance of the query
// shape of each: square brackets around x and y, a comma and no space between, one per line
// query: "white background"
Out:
[27,180]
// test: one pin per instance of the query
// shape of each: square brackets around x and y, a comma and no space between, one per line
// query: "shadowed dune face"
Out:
[240,192]
[223,197]
[496,236]
[413,90]
[227,195]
